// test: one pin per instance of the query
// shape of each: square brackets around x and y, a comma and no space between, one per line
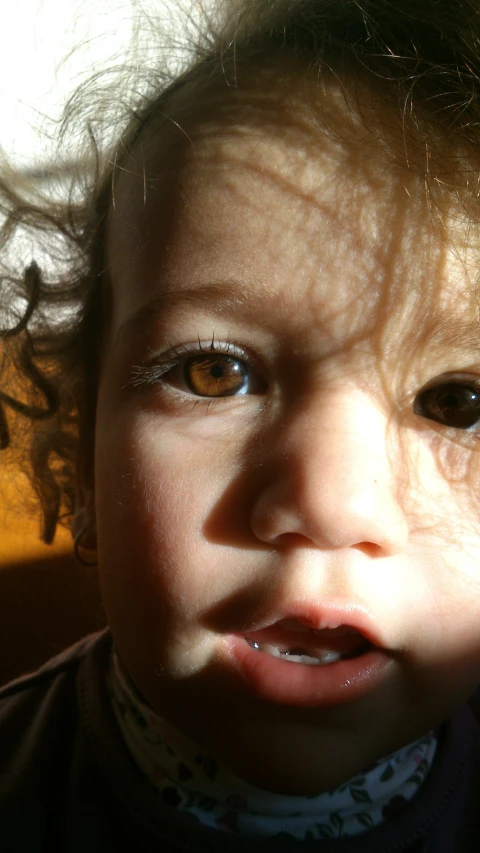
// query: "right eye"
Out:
[216,375]
[204,373]
[451,403]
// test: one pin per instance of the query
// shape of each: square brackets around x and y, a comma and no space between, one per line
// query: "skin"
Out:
[326,271]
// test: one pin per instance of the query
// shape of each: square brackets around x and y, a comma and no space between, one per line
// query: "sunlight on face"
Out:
[287,430]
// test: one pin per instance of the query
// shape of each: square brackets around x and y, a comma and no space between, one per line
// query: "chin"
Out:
[298,762]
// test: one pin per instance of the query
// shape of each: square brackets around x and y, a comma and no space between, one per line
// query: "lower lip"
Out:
[302,685]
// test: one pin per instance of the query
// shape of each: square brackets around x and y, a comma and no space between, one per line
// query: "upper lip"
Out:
[328,615]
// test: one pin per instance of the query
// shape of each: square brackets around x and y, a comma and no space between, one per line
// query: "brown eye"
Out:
[216,375]
[452,404]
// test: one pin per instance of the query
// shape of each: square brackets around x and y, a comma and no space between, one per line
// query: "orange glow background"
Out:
[47,600]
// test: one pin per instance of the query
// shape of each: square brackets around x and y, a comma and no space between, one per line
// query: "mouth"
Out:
[321,662]
[295,642]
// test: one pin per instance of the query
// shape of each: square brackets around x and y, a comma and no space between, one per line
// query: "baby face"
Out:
[287,450]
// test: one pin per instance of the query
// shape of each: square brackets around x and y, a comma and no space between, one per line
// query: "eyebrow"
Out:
[227,297]
[456,334]
[220,297]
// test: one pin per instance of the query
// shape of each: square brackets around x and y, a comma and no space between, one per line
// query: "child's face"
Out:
[296,472]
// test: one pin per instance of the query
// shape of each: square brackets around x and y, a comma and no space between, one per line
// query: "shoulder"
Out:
[38,719]
[53,680]
[474,704]
[469,832]
[67,660]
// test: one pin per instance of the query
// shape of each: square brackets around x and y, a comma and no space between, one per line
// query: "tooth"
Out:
[330,657]
[323,658]
[305,659]
[271,650]
[323,651]
[336,631]
[296,658]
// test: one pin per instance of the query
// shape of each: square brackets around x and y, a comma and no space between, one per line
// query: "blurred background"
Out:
[48,48]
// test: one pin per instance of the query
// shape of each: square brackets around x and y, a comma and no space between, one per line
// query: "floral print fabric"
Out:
[189,780]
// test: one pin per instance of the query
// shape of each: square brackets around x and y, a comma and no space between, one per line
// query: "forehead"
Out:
[260,205]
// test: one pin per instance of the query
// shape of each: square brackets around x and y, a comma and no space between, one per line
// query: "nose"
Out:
[329,479]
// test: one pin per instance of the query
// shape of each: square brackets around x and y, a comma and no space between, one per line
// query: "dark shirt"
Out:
[67,782]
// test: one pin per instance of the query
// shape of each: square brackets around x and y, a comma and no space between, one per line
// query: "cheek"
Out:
[445,539]
[440,495]
[158,490]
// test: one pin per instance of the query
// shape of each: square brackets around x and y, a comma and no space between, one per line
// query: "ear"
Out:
[84,521]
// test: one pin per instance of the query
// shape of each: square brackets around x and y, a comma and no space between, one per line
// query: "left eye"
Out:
[452,404]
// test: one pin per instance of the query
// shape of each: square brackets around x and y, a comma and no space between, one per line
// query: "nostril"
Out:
[296,540]
[370,549]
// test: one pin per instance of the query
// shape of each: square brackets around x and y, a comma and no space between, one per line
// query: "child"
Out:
[276,374]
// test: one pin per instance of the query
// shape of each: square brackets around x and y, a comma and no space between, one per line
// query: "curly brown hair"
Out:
[421,59]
